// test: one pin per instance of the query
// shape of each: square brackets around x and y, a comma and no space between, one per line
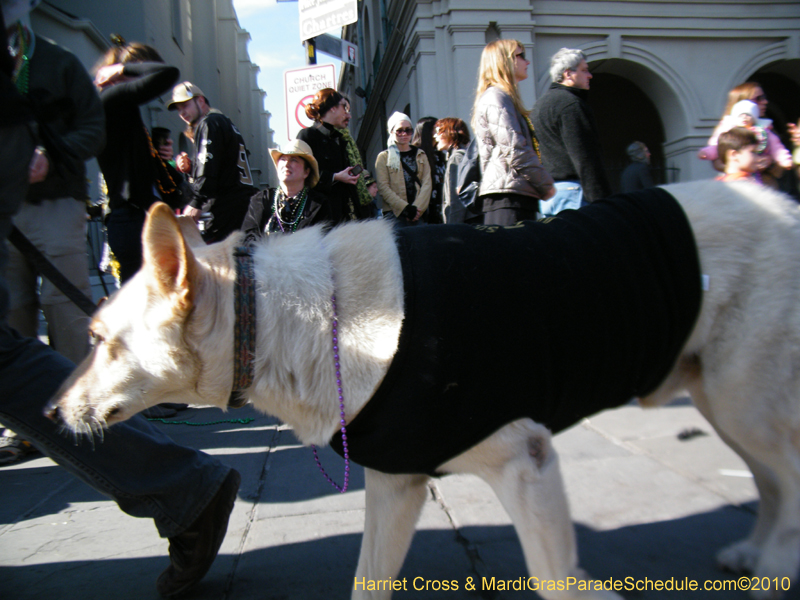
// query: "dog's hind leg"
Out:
[393,506]
[521,465]
[743,556]
[772,550]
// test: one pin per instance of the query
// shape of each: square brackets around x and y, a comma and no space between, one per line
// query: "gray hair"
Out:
[637,152]
[566,59]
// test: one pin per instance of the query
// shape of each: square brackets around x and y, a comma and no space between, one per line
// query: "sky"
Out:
[275,47]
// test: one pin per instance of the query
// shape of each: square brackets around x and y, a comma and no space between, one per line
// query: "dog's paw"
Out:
[776,569]
[772,594]
[740,558]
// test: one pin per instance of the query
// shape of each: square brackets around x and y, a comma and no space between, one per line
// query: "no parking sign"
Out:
[300,85]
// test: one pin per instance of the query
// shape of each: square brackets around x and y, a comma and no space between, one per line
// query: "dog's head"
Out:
[144,350]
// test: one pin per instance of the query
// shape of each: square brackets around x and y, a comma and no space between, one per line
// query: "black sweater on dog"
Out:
[553,320]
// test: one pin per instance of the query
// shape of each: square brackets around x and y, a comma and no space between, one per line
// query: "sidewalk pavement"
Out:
[646,504]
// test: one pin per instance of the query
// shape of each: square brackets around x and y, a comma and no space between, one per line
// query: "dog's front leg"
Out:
[393,505]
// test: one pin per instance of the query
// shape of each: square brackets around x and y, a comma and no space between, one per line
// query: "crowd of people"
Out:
[53,118]
[532,162]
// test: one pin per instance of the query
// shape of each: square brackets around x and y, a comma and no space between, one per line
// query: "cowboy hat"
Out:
[303,150]
[183,92]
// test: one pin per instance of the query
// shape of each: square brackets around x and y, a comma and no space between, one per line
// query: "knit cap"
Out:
[745,107]
[396,118]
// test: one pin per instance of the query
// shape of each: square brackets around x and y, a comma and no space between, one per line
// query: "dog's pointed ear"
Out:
[190,232]
[167,257]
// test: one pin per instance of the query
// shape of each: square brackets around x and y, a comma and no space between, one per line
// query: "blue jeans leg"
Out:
[569,194]
[134,463]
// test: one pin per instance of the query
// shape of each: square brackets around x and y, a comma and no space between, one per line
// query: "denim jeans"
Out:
[134,463]
[569,194]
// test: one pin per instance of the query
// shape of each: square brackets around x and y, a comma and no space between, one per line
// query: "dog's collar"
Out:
[244,327]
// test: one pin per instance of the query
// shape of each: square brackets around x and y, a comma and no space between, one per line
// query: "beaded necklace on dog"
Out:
[244,351]
[343,488]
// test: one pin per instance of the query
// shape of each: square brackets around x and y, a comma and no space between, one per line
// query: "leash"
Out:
[49,270]
[244,421]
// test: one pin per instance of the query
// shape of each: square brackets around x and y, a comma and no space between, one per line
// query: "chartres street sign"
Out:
[319,16]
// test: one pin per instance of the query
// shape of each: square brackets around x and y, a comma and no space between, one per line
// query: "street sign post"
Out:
[300,85]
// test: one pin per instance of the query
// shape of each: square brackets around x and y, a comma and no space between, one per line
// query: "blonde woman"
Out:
[513,179]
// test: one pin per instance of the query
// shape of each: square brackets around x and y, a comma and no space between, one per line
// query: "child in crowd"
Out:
[769,147]
[738,152]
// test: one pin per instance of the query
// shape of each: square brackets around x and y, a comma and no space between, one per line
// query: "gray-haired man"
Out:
[568,137]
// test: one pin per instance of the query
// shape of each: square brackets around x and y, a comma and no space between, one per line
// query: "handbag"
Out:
[468,179]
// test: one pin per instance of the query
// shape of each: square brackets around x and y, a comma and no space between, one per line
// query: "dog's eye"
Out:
[96,337]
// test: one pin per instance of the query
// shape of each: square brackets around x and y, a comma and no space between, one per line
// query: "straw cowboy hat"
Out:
[303,150]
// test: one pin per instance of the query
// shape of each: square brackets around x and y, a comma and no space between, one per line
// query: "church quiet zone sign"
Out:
[300,85]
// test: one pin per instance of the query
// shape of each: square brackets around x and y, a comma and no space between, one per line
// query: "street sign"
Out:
[299,86]
[337,48]
[319,16]
[349,53]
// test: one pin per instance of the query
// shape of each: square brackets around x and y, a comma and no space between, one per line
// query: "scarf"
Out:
[533,137]
[354,158]
[393,158]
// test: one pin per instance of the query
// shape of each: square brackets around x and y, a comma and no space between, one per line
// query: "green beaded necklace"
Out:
[20,50]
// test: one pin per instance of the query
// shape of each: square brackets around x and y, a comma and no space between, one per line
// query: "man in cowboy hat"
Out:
[294,204]
[219,175]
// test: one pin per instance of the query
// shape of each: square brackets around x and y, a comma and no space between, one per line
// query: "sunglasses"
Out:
[520,55]
[405,130]
[760,98]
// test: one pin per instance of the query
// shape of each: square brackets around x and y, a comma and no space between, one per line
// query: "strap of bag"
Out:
[408,170]
[47,269]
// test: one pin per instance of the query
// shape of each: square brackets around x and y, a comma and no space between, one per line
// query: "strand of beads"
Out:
[294,215]
[343,488]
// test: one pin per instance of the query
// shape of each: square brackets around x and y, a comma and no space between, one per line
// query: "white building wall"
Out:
[205,42]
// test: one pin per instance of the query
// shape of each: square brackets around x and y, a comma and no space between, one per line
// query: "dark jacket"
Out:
[70,120]
[567,316]
[330,151]
[569,140]
[635,177]
[262,208]
[127,161]
[220,181]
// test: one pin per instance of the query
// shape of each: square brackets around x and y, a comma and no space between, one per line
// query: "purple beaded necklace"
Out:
[343,488]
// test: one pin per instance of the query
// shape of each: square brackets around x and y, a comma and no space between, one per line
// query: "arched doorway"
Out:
[626,114]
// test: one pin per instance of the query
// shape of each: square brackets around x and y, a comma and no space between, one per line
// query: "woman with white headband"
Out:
[403,174]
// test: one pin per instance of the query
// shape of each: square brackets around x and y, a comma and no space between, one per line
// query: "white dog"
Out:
[168,336]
